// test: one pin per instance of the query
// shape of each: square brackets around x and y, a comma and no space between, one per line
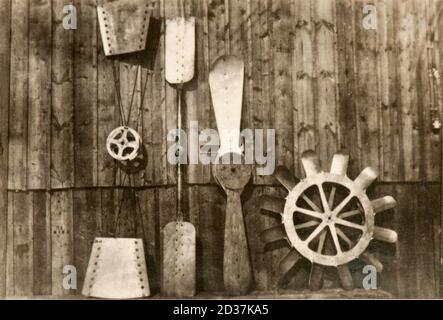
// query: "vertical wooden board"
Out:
[211,221]
[62,239]
[424,242]
[125,226]
[216,29]
[62,112]
[85,96]
[107,212]
[305,132]
[325,84]
[406,197]
[435,197]
[85,210]
[151,234]
[282,33]
[23,244]
[154,113]
[366,91]
[170,10]
[403,42]
[346,77]
[39,95]
[107,118]
[198,108]
[5,60]
[10,247]
[18,114]
[42,243]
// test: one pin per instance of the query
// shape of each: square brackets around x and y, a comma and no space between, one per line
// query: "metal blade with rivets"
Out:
[226,83]
[311,163]
[123,25]
[116,270]
[180,50]
[179,260]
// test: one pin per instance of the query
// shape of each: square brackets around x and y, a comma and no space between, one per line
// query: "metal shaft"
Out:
[179,171]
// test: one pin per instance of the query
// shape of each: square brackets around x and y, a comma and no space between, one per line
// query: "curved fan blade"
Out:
[288,261]
[316,277]
[311,163]
[340,164]
[386,235]
[383,204]
[345,277]
[369,258]
[273,204]
[286,178]
[273,234]
[366,177]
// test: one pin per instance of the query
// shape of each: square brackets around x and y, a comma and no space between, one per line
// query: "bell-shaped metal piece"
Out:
[116,270]
[124,25]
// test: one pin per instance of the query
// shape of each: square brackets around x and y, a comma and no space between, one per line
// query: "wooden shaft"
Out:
[237,270]
[179,169]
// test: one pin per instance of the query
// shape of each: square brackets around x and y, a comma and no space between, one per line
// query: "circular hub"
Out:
[328,219]
[123,143]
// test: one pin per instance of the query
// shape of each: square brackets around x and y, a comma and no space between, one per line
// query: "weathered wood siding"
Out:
[313,73]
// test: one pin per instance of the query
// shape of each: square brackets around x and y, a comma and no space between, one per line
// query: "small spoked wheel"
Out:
[123,144]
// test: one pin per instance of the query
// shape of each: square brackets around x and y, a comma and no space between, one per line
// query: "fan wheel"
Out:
[327,218]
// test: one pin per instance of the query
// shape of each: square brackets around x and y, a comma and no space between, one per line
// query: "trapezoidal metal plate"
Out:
[124,25]
[178,270]
[117,270]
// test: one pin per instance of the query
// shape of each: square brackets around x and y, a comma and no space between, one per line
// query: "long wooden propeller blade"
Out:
[386,235]
[272,204]
[316,277]
[289,261]
[366,177]
[311,163]
[369,258]
[286,178]
[339,164]
[273,234]
[345,277]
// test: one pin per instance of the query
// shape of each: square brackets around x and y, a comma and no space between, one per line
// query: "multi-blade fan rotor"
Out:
[327,218]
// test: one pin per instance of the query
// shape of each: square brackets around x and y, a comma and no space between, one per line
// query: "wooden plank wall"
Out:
[313,73]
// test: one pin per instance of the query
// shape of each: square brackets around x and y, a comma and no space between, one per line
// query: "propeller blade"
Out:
[273,204]
[273,234]
[369,258]
[311,163]
[383,204]
[289,261]
[366,177]
[345,277]
[286,178]
[316,277]
[340,164]
[386,235]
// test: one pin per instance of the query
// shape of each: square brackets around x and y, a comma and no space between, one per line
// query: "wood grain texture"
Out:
[5,56]
[62,111]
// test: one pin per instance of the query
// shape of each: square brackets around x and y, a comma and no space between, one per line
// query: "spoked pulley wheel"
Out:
[327,218]
[123,143]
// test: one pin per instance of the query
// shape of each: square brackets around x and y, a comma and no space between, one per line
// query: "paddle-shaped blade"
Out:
[123,25]
[372,260]
[386,235]
[289,261]
[345,277]
[180,50]
[316,277]
[226,83]
[273,234]
[273,204]
[340,164]
[286,178]
[366,177]
[383,204]
[179,277]
[311,163]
